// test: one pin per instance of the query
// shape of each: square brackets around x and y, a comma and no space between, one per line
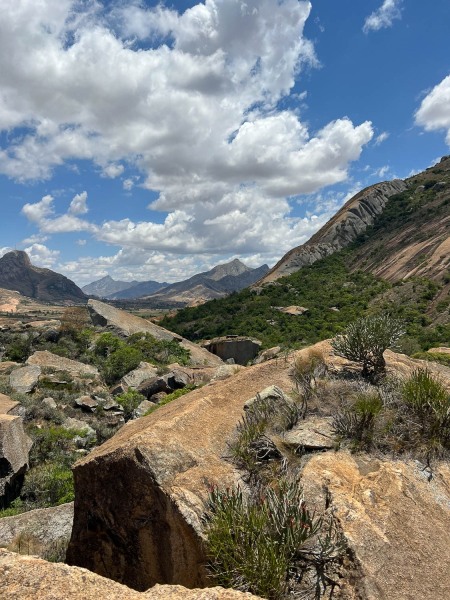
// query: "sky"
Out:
[147,140]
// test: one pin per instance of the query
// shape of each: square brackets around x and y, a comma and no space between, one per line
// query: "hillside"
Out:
[18,274]
[398,249]
[391,264]
[106,286]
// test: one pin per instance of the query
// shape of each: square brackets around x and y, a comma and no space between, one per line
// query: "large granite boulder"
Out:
[140,496]
[126,324]
[14,448]
[30,578]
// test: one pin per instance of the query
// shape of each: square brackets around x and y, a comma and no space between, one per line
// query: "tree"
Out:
[365,341]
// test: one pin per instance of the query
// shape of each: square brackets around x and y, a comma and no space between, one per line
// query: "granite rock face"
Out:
[56,363]
[25,379]
[351,220]
[30,578]
[126,324]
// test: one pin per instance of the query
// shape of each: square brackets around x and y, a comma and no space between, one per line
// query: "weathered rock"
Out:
[86,403]
[156,398]
[154,386]
[110,405]
[267,354]
[240,349]
[31,578]
[440,350]
[177,379]
[160,467]
[313,433]
[126,324]
[296,311]
[49,402]
[395,521]
[272,392]
[45,525]
[225,371]
[25,379]
[143,407]
[48,360]
[14,448]
[7,405]
[144,372]
[87,434]
[7,366]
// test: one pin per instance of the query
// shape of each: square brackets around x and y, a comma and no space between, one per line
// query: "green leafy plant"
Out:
[129,401]
[365,341]
[358,421]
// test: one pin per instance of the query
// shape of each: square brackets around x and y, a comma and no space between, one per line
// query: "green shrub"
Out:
[358,421]
[121,362]
[365,341]
[257,544]
[173,396]
[48,484]
[129,401]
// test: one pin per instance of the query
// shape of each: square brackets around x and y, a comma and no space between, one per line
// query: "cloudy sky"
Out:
[152,140]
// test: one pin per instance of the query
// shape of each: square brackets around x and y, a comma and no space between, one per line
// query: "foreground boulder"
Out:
[47,360]
[140,497]
[126,324]
[30,578]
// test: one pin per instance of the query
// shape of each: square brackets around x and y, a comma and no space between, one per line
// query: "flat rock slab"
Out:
[7,405]
[31,578]
[312,434]
[25,379]
[143,372]
[48,360]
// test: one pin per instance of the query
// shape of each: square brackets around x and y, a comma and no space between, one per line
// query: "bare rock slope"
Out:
[140,497]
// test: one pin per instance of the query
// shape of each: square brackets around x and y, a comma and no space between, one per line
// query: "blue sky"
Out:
[152,141]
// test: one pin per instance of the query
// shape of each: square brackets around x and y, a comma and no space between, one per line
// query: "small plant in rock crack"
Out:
[358,421]
[308,367]
[265,543]
[252,445]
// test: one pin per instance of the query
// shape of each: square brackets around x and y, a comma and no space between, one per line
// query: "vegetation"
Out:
[173,396]
[129,401]
[365,341]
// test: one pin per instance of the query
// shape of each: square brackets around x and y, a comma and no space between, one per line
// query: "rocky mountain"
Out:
[398,248]
[17,273]
[106,286]
[216,283]
[137,290]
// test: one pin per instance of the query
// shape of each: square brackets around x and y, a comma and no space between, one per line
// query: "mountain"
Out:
[17,273]
[106,286]
[396,251]
[137,290]
[216,283]
[387,249]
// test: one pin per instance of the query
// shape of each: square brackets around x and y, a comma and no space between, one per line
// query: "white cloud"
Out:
[434,111]
[381,172]
[384,16]
[78,205]
[41,256]
[81,242]
[381,138]
[194,108]
[113,170]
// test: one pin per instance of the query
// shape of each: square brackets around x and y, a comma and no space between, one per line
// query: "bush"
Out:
[49,484]
[121,362]
[129,401]
[358,421]
[257,545]
[365,341]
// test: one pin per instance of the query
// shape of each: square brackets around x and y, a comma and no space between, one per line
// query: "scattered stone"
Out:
[111,405]
[312,434]
[272,392]
[86,403]
[144,372]
[88,436]
[25,379]
[335,309]
[267,354]
[225,371]
[49,402]
[143,407]
[14,448]
[296,311]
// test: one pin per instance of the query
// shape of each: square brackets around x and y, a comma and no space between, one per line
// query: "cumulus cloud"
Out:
[189,100]
[78,205]
[434,111]
[41,256]
[384,16]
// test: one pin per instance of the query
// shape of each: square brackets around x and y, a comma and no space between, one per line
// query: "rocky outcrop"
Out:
[350,221]
[126,324]
[30,578]
[140,497]
[17,273]
[53,362]
[44,525]
[396,521]
[8,406]
[240,349]
[14,448]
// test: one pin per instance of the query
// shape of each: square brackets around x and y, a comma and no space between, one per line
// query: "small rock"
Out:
[156,398]
[88,436]
[86,403]
[25,379]
[176,380]
[153,386]
[143,407]
[272,392]
[144,372]
[267,355]
[312,434]
[111,405]
[49,402]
